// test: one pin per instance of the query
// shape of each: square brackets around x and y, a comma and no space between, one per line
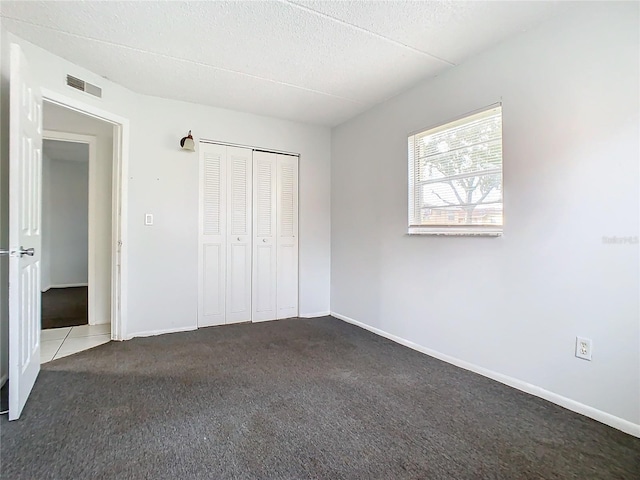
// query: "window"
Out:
[455,177]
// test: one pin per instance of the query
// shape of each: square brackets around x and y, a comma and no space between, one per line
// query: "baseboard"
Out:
[152,333]
[69,285]
[602,417]
[314,315]
[3,380]
[108,322]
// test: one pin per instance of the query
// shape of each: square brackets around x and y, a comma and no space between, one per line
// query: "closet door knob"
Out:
[264,240]
[238,238]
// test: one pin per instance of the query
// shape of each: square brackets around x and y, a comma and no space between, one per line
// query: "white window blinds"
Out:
[455,177]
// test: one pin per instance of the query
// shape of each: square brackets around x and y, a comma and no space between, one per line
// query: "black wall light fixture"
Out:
[187,143]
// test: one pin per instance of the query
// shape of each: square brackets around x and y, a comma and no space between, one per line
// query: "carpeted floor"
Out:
[64,307]
[294,399]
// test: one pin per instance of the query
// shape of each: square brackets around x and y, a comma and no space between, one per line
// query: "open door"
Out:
[25,184]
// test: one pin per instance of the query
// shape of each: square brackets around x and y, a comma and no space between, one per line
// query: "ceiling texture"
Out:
[319,62]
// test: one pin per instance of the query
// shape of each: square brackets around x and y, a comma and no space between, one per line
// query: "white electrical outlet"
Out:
[583,348]
[148,219]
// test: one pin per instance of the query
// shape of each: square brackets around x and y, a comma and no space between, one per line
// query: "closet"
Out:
[275,242]
[248,228]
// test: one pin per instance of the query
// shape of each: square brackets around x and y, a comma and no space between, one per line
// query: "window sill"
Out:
[456,231]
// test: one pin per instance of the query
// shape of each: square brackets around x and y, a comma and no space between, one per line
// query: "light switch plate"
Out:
[148,219]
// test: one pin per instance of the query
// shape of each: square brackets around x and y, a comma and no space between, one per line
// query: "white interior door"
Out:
[287,237]
[212,235]
[240,166]
[264,236]
[25,183]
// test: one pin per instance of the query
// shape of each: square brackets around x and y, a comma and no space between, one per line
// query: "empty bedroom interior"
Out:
[411,355]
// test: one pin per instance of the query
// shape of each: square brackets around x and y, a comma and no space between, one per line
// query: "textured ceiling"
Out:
[318,62]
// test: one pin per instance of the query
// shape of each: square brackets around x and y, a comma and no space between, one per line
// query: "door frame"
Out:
[92,142]
[119,206]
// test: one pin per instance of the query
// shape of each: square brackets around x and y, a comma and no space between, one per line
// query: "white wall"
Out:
[61,119]
[512,305]
[570,107]
[163,180]
[68,227]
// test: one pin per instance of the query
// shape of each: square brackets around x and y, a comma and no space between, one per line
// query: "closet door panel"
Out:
[239,238]
[287,236]
[213,299]
[212,233]
[264,236]
[265,287]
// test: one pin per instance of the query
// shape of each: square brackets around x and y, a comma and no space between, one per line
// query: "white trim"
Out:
[119,234]
[81,107]
[314,315]
[459,119]
[119,253]
[68,285]
[602,417]
[92,142]
[152,333]
[67,136]
[254,148]
[451,231]
[253,320]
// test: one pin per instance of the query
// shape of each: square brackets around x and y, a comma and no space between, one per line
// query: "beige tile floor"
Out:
[59,342]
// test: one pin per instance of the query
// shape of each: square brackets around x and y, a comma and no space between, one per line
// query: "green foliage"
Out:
[473,148]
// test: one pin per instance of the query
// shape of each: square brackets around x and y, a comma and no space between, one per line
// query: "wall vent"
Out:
[83,86]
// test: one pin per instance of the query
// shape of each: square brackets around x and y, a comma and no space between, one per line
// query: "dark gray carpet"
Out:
[65,307]
[294,399]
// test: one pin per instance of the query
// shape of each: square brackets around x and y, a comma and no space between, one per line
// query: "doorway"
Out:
[74,303]
[77,231]
[64,267]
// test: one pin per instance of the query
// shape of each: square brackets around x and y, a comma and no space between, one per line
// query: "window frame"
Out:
[450,229]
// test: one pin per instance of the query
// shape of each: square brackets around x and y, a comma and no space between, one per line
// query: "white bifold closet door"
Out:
[224,285]
[239,238]
[287,237]
[275,242]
